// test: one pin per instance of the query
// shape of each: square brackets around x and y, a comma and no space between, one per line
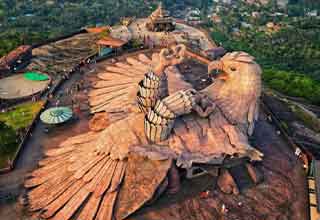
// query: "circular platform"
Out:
[17,86]
[139,31]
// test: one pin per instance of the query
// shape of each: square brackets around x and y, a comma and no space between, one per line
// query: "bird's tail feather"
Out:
[78,183]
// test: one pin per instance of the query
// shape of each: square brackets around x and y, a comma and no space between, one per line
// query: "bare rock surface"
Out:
[282,194]
[99,122]
[140,186]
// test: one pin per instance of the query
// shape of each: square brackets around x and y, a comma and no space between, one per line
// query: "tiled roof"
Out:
[5,61]
[110,41]
[97,29]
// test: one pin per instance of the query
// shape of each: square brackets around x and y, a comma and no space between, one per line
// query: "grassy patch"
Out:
[293,84]
[11,124]
[21,116]
[310,121]
[8,144]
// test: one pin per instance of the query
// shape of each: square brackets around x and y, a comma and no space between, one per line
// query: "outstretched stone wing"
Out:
[80,181]
[117,87]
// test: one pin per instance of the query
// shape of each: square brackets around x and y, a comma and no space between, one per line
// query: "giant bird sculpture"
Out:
[158,122]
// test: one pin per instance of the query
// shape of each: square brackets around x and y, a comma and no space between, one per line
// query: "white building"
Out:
[313,13]
[228,2]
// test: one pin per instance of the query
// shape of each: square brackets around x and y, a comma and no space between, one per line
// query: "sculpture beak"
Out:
[218,65]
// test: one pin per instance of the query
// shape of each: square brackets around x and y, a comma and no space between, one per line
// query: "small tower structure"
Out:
[160,21]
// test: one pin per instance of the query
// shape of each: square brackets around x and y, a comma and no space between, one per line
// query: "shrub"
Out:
[8,139]
[293,84]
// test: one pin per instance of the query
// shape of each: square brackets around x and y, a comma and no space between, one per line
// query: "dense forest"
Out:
[31,21]
[289,55]
[27,22]
[293,50]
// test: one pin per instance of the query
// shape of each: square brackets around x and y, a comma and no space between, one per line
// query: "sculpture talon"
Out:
[170,57]
[203,105]
[226,183]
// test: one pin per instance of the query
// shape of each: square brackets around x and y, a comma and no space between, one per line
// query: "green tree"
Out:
[7,138]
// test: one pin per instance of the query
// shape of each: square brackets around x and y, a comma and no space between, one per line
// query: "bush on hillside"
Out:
[293,84]
[8,139]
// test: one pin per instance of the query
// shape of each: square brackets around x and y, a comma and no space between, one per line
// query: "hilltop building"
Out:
[160,20]
[255,14]
[215,18]
[280,3]
[228,2]
[193,17]
[313,13]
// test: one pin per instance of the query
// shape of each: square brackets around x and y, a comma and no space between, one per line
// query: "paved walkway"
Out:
[17,86]
[11,184]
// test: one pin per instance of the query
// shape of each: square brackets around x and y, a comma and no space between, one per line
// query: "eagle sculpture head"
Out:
[236,88]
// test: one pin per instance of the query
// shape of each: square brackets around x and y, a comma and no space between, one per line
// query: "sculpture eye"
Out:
[233,68]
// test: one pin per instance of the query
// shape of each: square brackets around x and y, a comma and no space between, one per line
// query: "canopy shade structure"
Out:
[98,29]
[56,115]
[111,42]
[35,76]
